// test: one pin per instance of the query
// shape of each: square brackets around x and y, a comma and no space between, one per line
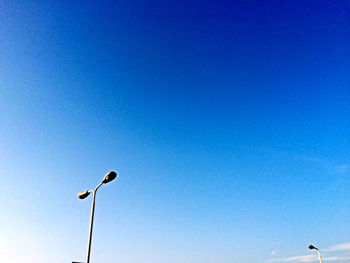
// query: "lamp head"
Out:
[312,247]
[83,195]
[110,176]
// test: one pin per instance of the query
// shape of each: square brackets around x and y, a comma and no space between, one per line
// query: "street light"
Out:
[318,252]
[110,176]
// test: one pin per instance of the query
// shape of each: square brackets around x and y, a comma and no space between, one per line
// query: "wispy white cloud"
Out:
[336,258]
[304,258]
[339,247]
[310,258]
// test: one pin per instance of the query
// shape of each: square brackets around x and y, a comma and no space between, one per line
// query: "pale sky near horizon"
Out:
[226,121]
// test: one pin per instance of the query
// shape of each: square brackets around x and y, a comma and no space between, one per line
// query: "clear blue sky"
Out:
[227,122]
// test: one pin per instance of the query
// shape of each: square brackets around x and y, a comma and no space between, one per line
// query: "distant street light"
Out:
[82,195]
[318,252]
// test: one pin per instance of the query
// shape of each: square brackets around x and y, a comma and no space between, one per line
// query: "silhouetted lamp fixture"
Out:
[110,176]
[312,247]
[318,252]
[83,195]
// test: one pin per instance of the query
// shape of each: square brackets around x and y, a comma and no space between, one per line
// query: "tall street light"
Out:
[318,252]
[82,195]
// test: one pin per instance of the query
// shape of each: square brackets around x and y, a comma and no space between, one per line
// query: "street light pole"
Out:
[91,224]
[318,252]
[82,195]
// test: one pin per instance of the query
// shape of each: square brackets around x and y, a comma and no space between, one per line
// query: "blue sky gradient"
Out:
[227,122]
